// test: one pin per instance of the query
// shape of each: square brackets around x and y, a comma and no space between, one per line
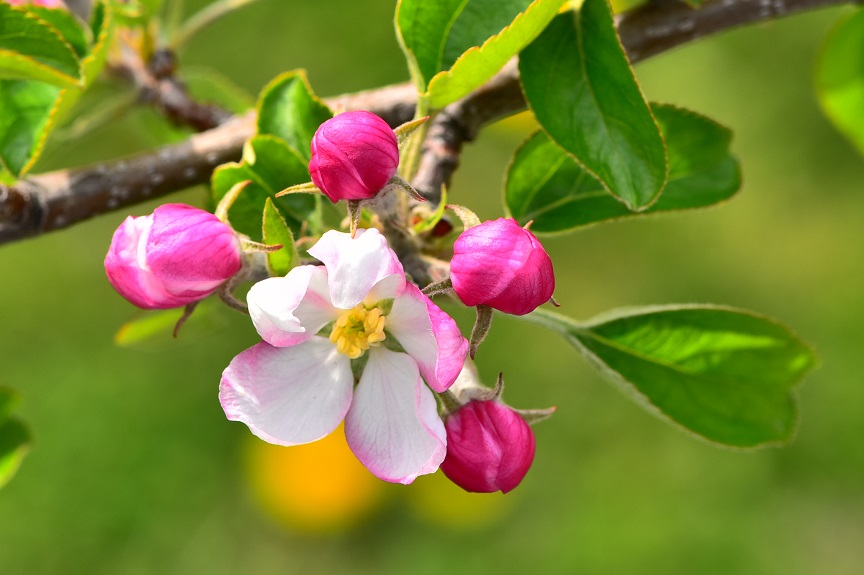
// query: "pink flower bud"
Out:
[44,3]
[501,265]
[171,258]
[354,155]
[489,447]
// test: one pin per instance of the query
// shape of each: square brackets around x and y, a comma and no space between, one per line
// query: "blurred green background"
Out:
[134,468]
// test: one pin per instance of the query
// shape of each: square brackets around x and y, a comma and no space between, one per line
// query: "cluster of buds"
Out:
[180,254]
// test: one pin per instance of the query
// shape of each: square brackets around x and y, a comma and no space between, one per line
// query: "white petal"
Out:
[355,265]
[393,425]
[288,396]
[287,311]
[428,335]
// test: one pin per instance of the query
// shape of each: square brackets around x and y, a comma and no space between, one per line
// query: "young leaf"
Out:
[546,185]
[724,374]
[14,444]
[578,82]
[276,231]
[30,110]
[840,78]
[155,329]
[288,109]
[453,46]
[272,165]
[67,24]
[25,110]
[31,49]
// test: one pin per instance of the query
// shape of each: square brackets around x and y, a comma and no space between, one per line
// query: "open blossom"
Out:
[173,257]
[354,155]
[297,385]
[503,266]
[490,447]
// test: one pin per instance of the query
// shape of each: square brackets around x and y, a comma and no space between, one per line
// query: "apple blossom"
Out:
[489,447]
[503,266]
[354,155]
[171,258]
[358,312]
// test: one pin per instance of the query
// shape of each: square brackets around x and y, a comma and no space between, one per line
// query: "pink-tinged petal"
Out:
[393,426]
[289,310]
[288,396]
[428,335]
[190,250]
[355,265]
[126,267]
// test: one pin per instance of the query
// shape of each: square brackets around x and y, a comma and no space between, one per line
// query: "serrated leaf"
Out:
[271,165]
[14,444]
[25,110]
[288,109]
[726,375]
[545,185]
[480,50]
[67,24]
[840,78]
[31,49]
[276,231]
[30,110]
[580,86]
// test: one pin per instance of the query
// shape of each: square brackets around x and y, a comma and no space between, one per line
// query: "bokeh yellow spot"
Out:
[439,501]
[318,487]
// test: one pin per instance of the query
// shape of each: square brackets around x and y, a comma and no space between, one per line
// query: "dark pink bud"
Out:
[501,265]
[354,155]
[173,257]
[489,447]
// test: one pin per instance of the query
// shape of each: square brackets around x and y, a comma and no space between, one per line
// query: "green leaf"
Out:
[25,111]
[67,24]
[578,82]
[723,374]
[30,110]
[288,109]
[276,231]
[151,330]
[208,85]
[14,444]
[546,185]
[271,165]
[31,49]
[840,78]
[457,46]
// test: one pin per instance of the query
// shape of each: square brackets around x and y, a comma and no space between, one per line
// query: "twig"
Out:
[59,199]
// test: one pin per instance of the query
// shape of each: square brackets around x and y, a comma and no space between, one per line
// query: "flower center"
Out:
[357,330]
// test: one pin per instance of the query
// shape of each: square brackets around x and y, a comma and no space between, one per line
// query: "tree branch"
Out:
[59,199]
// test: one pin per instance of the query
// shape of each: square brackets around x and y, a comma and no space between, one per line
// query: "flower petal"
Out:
[393,426]
[289,310]
[288,396]
[355,265]
[428,335]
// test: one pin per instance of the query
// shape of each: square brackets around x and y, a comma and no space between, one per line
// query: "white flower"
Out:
[297,385]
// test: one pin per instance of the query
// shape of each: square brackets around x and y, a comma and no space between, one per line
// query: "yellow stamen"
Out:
[357,330]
